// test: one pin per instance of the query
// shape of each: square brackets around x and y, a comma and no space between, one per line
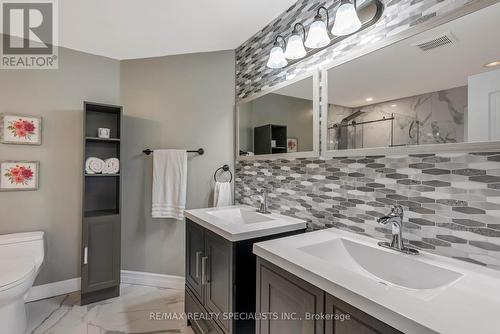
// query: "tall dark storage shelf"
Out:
[101,226]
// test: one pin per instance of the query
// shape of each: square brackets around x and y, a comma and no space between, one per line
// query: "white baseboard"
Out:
[53,289]
[127,277]
[150,279]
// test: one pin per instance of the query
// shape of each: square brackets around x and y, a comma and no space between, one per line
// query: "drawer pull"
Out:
[86,255]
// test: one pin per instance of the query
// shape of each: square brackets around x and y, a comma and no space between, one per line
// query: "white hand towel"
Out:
[169,183]
[222,194]
[94,165]
[111,166]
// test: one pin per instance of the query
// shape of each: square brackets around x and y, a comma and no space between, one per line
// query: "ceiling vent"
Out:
[447,39]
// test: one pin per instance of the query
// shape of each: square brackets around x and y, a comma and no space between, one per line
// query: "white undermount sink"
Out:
[243,222]
[380,264]
[240,216]
[425,293]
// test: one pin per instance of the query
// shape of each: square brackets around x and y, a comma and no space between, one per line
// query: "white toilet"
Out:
[21,256]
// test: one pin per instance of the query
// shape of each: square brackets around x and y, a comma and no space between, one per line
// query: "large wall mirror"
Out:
[282,122]
[441,86]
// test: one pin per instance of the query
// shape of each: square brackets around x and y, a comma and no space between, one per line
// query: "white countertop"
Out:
[242,231]
[469,305]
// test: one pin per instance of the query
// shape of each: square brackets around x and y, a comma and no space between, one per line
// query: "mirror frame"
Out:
[314,74]
[413,149]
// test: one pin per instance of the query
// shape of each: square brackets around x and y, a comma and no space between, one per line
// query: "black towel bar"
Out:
[200,151]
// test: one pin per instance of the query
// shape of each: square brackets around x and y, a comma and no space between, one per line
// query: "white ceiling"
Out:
[126,29]
[403,70]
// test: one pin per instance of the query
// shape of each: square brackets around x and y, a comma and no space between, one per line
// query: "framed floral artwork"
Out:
[19,175]
[292,144]
[18,129]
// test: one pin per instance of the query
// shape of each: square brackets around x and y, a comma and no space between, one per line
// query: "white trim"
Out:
[416,149]
[295,155]
[413,149]
[324,105]
[309,73]
[399,150]
[127,277]
[53,289]
[150,279]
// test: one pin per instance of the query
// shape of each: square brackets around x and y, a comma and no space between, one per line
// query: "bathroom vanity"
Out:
[220,265]
[315,310]
[332,273]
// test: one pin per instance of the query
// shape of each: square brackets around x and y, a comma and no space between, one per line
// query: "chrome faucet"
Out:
[395,218]
[263,202]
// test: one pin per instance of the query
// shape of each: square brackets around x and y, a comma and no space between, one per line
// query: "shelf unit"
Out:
[104,140]
[101,223]
[264,135]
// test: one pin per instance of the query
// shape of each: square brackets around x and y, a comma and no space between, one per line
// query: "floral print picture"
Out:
[292,145]
[16,129]
[18,175]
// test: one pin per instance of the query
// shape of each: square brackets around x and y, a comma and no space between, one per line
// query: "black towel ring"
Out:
[226,169]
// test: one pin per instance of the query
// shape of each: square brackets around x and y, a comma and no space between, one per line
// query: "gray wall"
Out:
[57,96]
[295,113]
[182,101]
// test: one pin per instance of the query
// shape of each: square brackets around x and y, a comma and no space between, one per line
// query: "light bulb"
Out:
[493,64]
[318,35]
[277,58]
[346,20]
[295,47]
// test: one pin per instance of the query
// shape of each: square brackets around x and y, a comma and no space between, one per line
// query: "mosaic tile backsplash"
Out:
[451,201]
[252,75]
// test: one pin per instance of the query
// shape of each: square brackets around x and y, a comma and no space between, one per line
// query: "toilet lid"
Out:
[14,271]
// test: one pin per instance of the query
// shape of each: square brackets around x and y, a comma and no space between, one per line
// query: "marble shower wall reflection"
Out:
[432,118]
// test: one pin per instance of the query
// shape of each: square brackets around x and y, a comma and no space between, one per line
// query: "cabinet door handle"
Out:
[85,255]
[204,279]
[199,327]
[198,254]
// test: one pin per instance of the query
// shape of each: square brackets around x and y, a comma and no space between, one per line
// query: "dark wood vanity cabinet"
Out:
[302,308]
[195,248]
[220,281]
[282,295]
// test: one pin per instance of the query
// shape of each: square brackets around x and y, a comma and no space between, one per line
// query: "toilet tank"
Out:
[23,245]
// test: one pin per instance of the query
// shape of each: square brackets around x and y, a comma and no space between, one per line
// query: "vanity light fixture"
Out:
[295,45]
[369,99]
[318,31]
[318,37]
[493,64]
[277,55]
[346,19]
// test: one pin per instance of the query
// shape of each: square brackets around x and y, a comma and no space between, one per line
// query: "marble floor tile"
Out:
[128,313]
